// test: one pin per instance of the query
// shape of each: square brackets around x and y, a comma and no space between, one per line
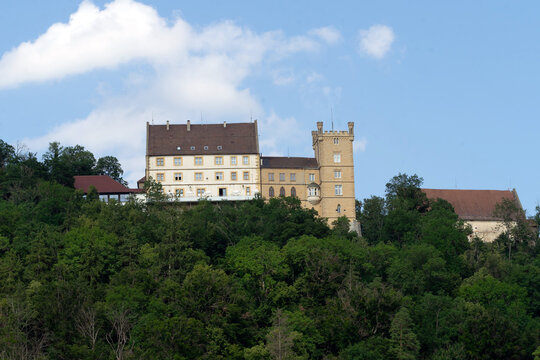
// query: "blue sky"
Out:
[449,91]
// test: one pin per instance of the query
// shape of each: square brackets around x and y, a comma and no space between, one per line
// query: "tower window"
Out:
[336,141]
[338,190]
[337,157]
[338,209]
[337,174]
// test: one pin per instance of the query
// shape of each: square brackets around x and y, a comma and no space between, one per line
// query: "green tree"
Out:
[371,217]
[404,344]
[109,165]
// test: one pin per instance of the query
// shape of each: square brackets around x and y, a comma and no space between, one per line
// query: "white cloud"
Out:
[283,77]
[328,33]
[360,145]
[194,71]
[376,41]
[313,77]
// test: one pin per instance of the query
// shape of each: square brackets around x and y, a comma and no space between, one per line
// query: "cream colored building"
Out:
[222,162]
[477,207]
[214,161]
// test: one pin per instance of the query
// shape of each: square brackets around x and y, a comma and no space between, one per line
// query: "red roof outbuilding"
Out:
[104,184]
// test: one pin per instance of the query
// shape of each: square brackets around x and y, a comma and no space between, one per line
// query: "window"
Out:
[219,147]
[179,192]
[282,191]
[245,160]
[312,191]
[160,177]
[246,175]
[219,176]
[281,176]
[205,147]
[248,191]
[336,141]
[192,147]
[177,176]
[337,174]
[160,161]
[104,198]
[311,177]
[233,160]
[270,176]
[338,189]
[293,177]
[337,157]
[200,192]
[222,191]
[198,176]
[177,161]
[218,160]
[271,192]
[198,160]
[293,191]
[124,197]
[338,209]
[178,148]
[233,176]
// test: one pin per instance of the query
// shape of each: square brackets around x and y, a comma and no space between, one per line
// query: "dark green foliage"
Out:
[256,280]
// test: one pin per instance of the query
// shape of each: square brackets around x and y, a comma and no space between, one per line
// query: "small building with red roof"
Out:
[107,188]
[477,208]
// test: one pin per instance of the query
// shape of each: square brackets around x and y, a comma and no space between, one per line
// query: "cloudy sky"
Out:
[447,91]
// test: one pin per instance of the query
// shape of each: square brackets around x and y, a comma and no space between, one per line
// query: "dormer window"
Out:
[220,147]
[192,147]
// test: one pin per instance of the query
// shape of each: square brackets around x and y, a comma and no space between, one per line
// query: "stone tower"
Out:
[334,154]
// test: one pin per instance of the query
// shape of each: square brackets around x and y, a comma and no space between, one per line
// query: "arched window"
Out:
[282,191]
[271,192]
[293,191]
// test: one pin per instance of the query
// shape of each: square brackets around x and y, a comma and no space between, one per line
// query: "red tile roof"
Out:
[276,162]
[473,204]
[103,183]
[234,138]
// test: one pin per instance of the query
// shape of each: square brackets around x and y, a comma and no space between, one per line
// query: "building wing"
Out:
[210,139]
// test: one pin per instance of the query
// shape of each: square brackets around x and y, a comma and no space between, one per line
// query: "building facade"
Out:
[222,162]
[214,161]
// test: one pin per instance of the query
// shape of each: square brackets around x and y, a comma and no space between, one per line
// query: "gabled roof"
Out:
[233,138]
[473,204]
[276,162]
[104,184]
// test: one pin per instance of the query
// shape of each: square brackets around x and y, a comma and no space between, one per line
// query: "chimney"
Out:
[319,127]
[188,125]
[167,125]
[224,124]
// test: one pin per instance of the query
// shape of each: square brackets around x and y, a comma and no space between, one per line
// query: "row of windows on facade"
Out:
[201,192]
[312,191]
[199,176]
[198,160]
[205,147]
[292,176]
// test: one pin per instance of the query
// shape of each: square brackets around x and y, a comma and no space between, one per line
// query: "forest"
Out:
[253,280]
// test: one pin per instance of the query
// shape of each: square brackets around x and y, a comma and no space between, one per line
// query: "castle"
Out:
[223,162]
